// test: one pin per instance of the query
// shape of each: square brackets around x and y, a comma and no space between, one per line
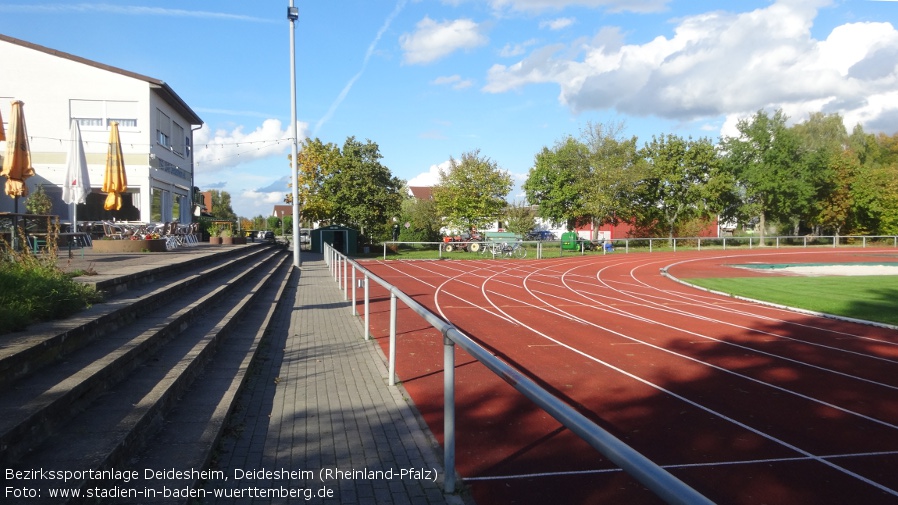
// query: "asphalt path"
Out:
[746,403]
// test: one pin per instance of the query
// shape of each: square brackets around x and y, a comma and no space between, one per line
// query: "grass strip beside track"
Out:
[871,298]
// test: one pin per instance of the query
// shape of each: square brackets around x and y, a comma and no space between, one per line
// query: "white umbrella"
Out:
[77,182]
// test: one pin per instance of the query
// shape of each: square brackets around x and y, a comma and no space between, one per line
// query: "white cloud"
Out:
[455,81]
[431,177]
[512,50]
[557,24]
[432,41]
[222,149]
[643,6]
[723,64]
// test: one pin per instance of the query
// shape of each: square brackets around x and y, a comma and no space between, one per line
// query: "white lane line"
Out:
[597,471]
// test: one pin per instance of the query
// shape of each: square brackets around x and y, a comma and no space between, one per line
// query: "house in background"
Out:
[156,128]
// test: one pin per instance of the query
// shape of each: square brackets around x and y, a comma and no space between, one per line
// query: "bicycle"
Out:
[515,249]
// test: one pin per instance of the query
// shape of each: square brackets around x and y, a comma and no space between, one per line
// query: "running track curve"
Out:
[746,403]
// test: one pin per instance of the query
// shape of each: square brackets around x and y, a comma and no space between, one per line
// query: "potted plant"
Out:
[215,235]
[39,202]
[227,238]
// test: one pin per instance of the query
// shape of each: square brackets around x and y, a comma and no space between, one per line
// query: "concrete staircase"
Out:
[143,382]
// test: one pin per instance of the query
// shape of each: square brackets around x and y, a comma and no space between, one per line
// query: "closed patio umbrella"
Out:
[77,182]
[17,163]
[2,133]
[114,181]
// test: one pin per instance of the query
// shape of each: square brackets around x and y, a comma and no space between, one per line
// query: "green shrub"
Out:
[34,289]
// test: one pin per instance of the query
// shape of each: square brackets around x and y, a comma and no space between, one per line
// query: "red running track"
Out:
[746,403]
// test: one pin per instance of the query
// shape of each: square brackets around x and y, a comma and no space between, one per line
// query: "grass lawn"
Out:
[872,298]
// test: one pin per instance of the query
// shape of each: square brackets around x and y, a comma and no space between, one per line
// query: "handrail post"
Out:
[367,310]
[345,277]
[392,358]
[448,415]
[352,289]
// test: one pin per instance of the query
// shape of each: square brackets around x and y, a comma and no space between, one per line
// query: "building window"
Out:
[178,138]
[122,122]
[99,114]
[163,129]
[90,122]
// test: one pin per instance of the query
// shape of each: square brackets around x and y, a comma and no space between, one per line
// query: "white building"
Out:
[156,128]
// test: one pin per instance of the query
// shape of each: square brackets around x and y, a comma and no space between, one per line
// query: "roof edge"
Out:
[168,93]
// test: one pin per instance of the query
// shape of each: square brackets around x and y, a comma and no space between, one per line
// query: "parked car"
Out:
[541,235]
[266,236]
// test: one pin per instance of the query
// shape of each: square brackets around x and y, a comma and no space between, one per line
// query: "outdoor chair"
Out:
[112,231]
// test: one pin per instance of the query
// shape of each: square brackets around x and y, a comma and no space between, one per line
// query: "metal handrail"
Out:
[654,477]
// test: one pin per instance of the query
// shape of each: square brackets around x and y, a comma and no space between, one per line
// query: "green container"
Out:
[570,241]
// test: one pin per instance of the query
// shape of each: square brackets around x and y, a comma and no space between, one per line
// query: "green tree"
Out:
[616,170]
[315,163]
[875,189]
[823,143]
[835,201]
[471,193]
[764,160]
[423,219]
[677,188]
[221,206]
[554,182]
[519,218]
[360,191]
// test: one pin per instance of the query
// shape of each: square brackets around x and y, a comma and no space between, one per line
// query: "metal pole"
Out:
[352,306]
[448,415]
[367,310]
[392,367]
[293,15]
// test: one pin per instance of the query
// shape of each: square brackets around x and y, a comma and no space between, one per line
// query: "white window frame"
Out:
[104,122]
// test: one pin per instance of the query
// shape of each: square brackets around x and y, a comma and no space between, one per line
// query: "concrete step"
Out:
[118,425]
[52,341]
[191,432]
[97,406]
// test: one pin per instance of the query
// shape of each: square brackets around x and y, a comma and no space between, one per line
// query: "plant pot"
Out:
[129,246]
[227,240]
[215,240]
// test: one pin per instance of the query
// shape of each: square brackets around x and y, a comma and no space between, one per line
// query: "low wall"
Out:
[129,246]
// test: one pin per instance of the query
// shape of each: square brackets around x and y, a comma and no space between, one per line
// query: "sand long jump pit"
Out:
[823,269]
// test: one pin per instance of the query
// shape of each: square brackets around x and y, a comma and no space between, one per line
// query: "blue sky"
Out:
[431,79]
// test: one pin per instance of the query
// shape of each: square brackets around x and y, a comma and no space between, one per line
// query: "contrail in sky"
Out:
[131,10]
[330,112]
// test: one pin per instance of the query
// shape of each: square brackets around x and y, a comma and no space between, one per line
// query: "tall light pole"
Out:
[293,15]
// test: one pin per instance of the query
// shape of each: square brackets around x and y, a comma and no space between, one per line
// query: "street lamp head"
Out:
[292,13]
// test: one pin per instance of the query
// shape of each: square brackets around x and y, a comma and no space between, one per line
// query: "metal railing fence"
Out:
[653,244]
[658,480]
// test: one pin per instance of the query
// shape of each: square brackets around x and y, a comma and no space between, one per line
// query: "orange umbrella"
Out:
[17,163]
[114,181]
